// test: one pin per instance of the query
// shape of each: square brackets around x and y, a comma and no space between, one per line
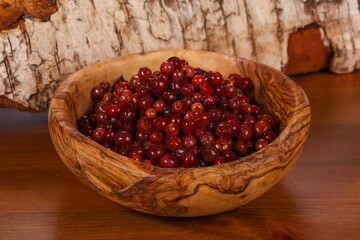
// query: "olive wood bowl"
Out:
[179,192]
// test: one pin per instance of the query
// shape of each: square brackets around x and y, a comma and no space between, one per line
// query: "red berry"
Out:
[260,128]
[219,160]
[98,135]
[98,93]
[240,148]
[144,73]
[168,161]
[187,90]
[260,144]
[173,143]
[172,129]
[188,71]
[206,88]
[159,123]
[201,119]
[189,160]
[224,130]
[155,153]
[135,156]
[145,125]
[166,68]
[189,141]
[197,80]
[244,83]
[123,139]
[187,126]
[179,107]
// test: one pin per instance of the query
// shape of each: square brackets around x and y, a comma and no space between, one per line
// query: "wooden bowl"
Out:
[179,192]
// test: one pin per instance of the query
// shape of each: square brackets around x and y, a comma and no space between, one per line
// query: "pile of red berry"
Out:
[179,116]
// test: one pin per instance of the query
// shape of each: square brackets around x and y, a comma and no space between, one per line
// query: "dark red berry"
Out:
[123,139]
[260,144]
[166,68]
[155,153]
[260,128]
[168,161]
[189,160]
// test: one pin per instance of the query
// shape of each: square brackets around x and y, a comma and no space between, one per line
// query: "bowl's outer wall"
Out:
[179,192]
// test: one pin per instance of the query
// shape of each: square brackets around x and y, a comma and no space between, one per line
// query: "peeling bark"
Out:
[37,55]
[11,11]
[307,51]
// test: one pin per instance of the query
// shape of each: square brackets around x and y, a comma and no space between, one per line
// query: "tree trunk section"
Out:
[37,51]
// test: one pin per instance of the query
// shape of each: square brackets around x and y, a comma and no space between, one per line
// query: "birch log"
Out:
[37,51]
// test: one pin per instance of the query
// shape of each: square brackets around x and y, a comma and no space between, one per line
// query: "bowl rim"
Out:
[64,122]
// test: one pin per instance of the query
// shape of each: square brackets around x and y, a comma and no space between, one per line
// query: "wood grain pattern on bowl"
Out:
[180,192]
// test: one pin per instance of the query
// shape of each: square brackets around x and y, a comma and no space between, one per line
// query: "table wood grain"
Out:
[318,199]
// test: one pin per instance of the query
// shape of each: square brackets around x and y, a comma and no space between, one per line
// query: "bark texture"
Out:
[37,55]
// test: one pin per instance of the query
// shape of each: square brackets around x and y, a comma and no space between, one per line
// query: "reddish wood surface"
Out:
[318,199]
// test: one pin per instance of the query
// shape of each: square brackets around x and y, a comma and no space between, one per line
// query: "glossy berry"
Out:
[240,148]
[144,73]
[113,110]
[87,131]
[219,160]
[270,136]
[98,135]
[260,144]
[197,107]
[145,125]
[166,68]
[168,161]
[97,93]
[207,138]
[244,83]
[222,144]
[206,88]
[109,137]
[179,107]
[260,128]
[177,75]
[175,118]
[224,130]
[244,133]
[197,80]
[159,105]
[171,129]
[229,91]
[201,119]
[150,113]
[135,156]
[159,123]
[123,138]
[187,90]
[210,153]
[246,109]
[189,159]
[156,137]
[188,126]
[173,143]
[188,71]
[155,153]
[158,85]
[229,156]
[189,141]
[215,79]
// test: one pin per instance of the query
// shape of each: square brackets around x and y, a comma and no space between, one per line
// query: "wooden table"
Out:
[318,199]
